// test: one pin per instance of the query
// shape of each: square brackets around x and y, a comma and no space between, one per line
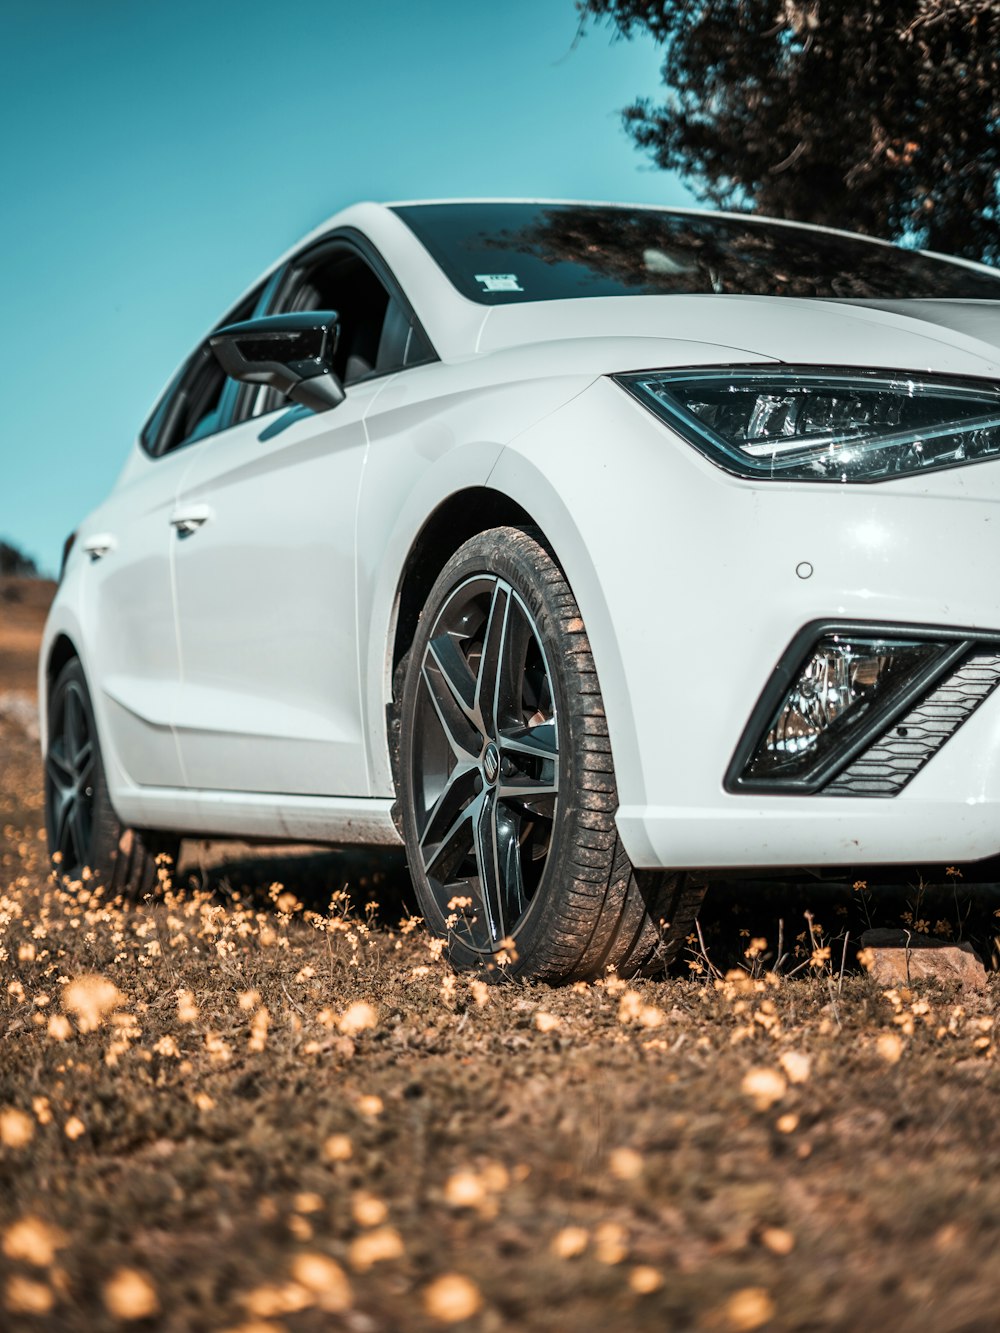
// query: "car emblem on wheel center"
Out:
[491,763]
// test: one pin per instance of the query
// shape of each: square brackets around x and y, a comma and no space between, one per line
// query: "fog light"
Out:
[847,685]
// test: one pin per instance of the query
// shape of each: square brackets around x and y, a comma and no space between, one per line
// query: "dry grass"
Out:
[249,1106]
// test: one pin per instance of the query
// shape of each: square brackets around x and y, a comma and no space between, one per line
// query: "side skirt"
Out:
[207,814]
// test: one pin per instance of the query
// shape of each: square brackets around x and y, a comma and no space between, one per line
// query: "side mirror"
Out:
[293,353]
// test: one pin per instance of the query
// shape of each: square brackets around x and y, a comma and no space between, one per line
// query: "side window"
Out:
[199,401]
[377,334]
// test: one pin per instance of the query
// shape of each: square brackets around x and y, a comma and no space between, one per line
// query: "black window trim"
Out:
[290,273]
[230,390]
[237,399]
[351,239]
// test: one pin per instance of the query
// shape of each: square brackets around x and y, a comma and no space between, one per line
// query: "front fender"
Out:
[574,493]
[382,562]
[433,432]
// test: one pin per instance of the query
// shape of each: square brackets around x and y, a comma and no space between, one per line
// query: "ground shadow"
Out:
[734,915]
[367,874]
[779,912]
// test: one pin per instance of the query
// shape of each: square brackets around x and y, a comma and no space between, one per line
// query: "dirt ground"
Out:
[264,1103]
[23,605]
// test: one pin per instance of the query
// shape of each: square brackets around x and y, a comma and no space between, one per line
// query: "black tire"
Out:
[83,830]
[483,780]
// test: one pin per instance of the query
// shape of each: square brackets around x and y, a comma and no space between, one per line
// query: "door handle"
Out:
[189,520]
[99,544]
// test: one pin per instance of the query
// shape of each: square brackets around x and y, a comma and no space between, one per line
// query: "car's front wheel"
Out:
[84,833]
[506,781]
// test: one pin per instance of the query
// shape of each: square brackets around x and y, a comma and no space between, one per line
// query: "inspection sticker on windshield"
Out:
[499,282]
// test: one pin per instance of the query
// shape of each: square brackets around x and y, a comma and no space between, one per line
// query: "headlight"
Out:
[855,709]
[847,683]
[792,424]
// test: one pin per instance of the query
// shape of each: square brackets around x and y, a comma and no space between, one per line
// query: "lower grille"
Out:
[896,757]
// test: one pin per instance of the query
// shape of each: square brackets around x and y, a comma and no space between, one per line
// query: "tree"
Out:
[14,561]
[882,116]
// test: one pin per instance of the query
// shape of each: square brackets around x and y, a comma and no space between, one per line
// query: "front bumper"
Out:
[699,581]
[922,559]
[949,813]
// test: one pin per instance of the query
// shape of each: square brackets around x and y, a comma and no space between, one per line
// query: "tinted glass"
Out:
[194,405]
[498,253]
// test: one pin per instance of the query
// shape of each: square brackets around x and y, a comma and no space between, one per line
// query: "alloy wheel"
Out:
[69,779]
[486,762]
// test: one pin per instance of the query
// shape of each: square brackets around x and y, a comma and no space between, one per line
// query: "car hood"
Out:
[946,337]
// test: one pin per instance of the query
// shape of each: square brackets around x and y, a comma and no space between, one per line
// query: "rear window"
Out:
[499,253]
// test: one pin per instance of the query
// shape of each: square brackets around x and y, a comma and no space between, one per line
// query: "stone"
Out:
[899,957]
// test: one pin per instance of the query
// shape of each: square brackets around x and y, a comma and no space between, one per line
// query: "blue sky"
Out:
[157,156]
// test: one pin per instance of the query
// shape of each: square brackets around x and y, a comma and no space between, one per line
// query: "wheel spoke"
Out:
[498,860]
[492,662]
[85,779]
[511,678]
[456,672]
[454,846]
[487,863]
[79,832]
[508,825]
[83,760]
[68,845]
[459,791]
[74,726]
[60,771]
[61,836]
[444,686]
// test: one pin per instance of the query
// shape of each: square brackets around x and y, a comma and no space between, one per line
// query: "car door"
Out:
[264,565]
[128,595]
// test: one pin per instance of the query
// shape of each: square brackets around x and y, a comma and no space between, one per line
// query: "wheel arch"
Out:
[56,654]
[61,651]
[461,516]
[520,494]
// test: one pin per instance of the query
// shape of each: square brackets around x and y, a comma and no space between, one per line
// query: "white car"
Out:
[581,547]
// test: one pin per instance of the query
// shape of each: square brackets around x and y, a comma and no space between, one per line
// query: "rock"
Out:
[901,956]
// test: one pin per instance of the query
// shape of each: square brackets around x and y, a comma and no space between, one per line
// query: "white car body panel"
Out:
[785,328]
[127,611]
[263,712]
[266,607]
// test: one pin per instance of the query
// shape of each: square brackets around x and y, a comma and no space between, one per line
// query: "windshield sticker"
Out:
[499,282]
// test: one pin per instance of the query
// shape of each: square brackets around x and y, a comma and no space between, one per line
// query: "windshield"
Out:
[497,253]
